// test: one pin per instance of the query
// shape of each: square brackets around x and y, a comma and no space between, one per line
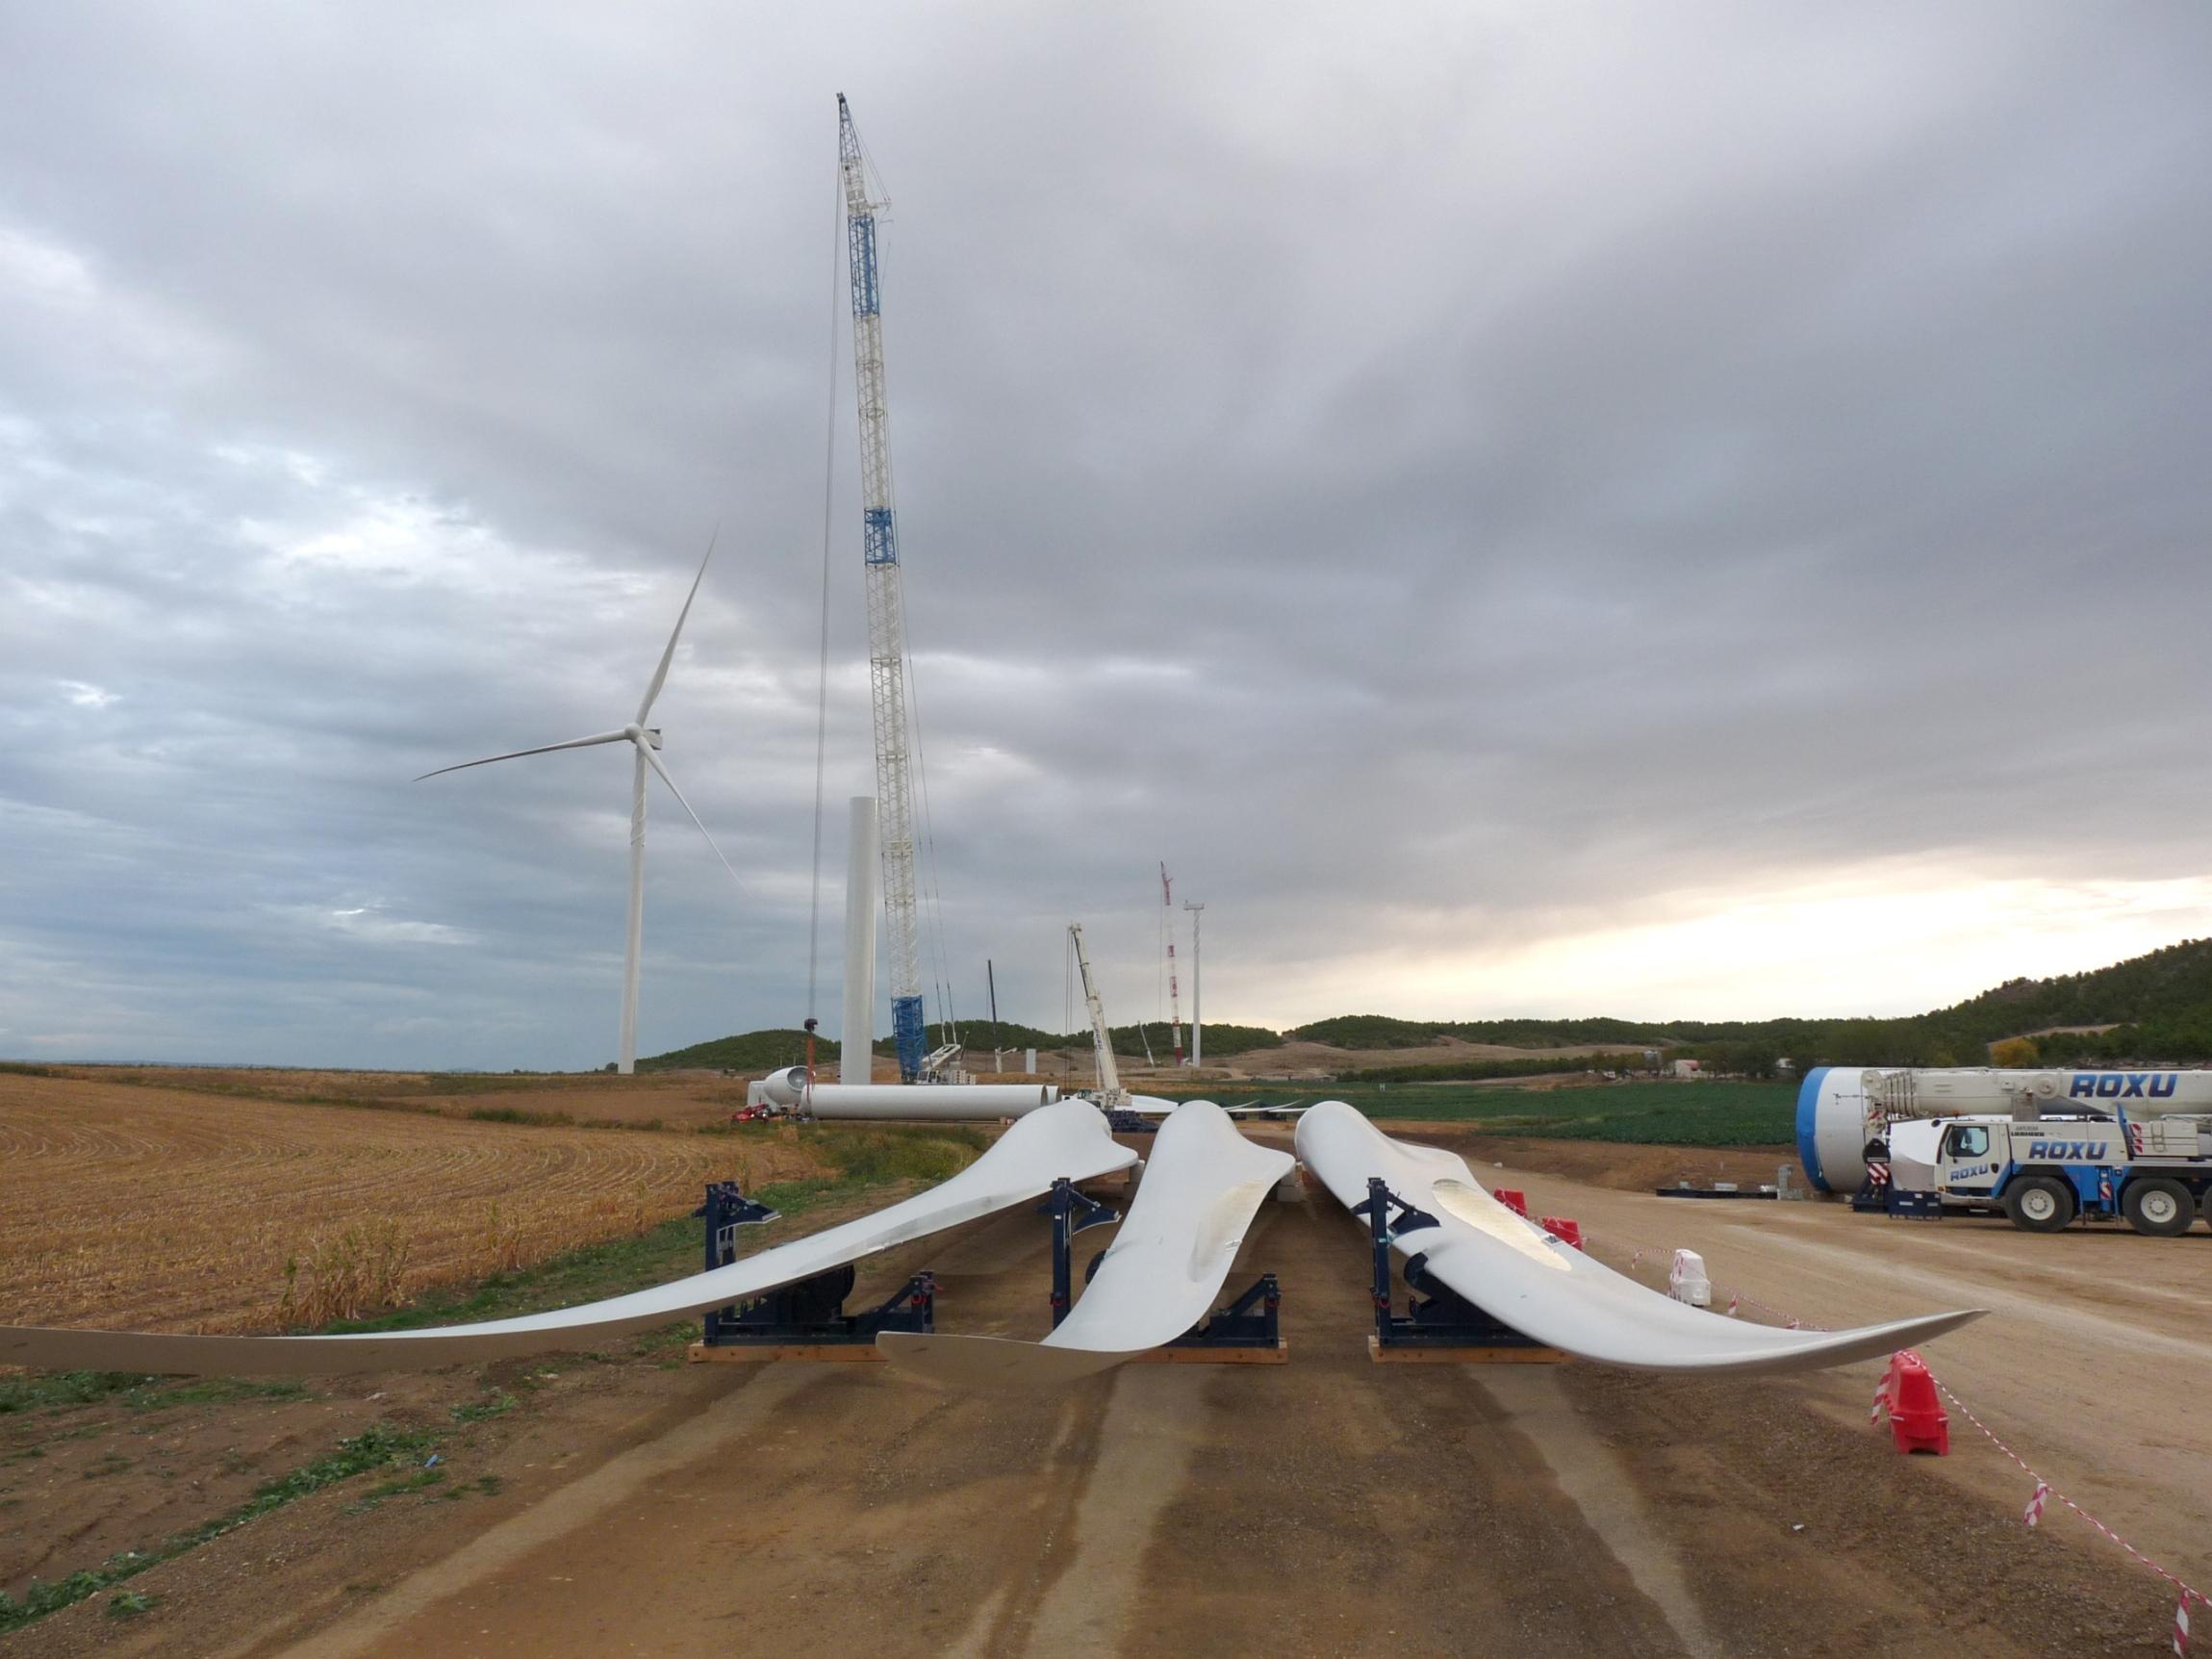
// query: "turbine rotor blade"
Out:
[660,674]
[518,754]
[654,761]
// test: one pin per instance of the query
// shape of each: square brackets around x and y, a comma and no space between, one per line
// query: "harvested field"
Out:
[589,1100]
[156,1209]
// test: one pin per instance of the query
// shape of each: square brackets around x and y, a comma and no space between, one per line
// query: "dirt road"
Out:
[2092,1362]
[1327,1506]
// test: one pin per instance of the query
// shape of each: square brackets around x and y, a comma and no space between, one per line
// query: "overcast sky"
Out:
[1687,510]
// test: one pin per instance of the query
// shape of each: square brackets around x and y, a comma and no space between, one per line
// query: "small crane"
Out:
[1108,1096]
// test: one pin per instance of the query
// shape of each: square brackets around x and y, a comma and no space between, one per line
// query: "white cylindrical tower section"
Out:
[916,1102]
[856,1041]
[1834,1128]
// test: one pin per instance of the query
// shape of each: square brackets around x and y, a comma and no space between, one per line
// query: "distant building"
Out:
[1688,1068]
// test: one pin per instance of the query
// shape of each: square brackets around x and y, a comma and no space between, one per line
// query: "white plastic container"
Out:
[1686,1280]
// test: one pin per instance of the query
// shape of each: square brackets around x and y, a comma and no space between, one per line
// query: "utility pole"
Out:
[1197,1006]
[991,979]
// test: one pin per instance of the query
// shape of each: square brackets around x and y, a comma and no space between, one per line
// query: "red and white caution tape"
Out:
[2044,1492]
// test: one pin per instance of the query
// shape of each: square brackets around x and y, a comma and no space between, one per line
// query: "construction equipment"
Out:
[2155,1173]
[1109,1096]
[1846,1116]
[887,607]
[943,1066]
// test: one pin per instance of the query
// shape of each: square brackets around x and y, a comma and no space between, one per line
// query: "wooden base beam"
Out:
[1440,1356]
[1277,1354]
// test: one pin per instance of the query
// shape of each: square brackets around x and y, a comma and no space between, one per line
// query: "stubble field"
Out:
[146,1207]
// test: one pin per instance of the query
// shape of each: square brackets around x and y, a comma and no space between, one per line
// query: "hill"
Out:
[766,1050]
[748,1051]
[2154,1008]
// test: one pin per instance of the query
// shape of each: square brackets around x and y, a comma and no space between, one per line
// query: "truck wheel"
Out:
[2039,1203]
[2161,1207]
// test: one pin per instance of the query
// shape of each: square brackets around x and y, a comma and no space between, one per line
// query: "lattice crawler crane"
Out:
[887,614]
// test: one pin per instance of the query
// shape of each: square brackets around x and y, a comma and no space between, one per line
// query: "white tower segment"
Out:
[886,611]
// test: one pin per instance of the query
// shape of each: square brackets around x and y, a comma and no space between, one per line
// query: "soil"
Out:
[1325,1506]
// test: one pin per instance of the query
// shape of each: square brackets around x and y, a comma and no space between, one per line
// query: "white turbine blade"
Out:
[654,761]
[518,754]
[660,674]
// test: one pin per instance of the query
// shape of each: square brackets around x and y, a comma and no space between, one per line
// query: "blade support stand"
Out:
[1071,1213]
[1438,1324]
[801,1320]
[1252,1321]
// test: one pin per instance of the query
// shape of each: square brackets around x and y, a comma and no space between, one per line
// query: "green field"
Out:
[1650,1114]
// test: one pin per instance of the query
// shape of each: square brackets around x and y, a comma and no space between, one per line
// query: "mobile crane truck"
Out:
[2099,1145]
[2155,1173]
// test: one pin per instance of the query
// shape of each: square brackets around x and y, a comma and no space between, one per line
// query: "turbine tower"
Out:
[645,740]
[887,613]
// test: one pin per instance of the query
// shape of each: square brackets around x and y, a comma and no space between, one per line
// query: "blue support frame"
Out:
[811,1311]
[860,243]
[911,1029]
[1071,1213]
[1443,1318]
[879,537]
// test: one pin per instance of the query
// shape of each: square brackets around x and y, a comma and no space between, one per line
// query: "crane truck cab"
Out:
[2044,1173]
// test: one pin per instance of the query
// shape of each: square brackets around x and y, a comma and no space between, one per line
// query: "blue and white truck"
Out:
[2156,1174]
[2044,1147]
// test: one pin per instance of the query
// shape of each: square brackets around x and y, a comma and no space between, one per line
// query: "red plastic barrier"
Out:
[1916,1417]
[1516,1202]
[1561,1227]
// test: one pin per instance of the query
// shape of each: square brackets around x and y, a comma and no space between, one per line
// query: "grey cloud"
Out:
[1434,477]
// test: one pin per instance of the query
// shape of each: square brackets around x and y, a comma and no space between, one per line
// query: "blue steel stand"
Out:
[808,1314]
[1252,1321]
[1442,1319]
[1071,1213]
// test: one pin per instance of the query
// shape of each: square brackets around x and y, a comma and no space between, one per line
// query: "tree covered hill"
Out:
[767,1049]
[2158,1008]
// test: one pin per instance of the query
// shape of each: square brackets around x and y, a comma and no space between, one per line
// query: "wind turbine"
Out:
[645,740]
